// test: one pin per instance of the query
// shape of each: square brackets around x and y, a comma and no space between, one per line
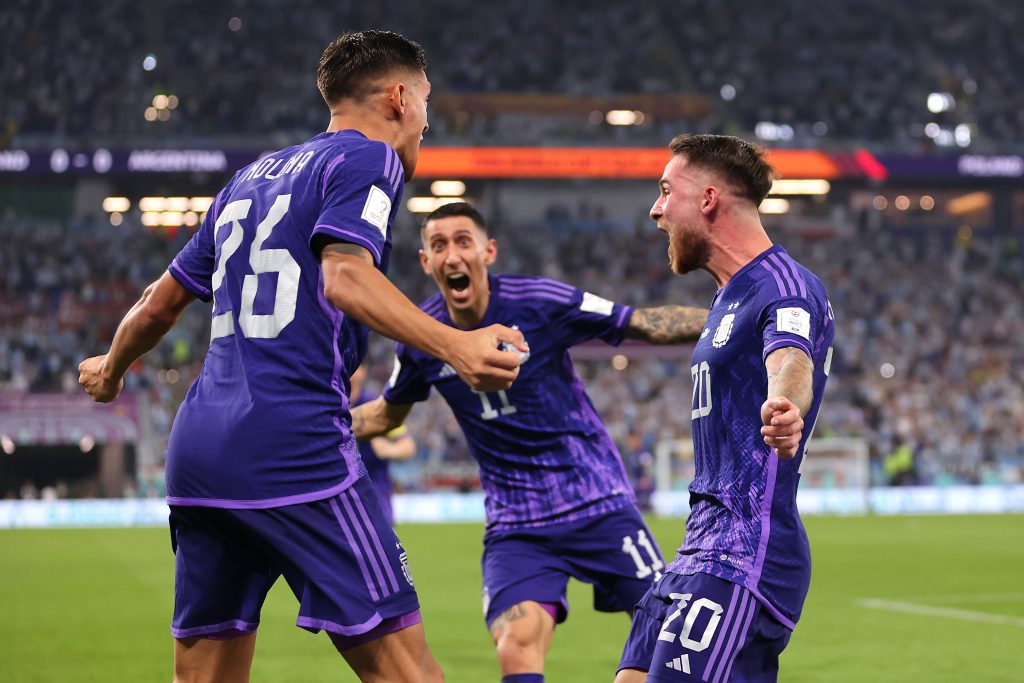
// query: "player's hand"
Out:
[92,376]
[480,362]
[783,427]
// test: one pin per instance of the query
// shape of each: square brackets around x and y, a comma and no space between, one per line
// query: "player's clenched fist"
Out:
[783,427]
[480,362]
[91,376]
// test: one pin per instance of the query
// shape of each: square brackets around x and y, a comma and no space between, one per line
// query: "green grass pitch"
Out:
[94,605]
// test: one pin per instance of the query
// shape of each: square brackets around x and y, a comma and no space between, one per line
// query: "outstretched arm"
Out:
[378,417]
[141,329]
[790,394]
[667,324]
[354,285]
[401,447]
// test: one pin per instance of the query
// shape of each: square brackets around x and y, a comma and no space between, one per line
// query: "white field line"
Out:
[947,612]
[966,597]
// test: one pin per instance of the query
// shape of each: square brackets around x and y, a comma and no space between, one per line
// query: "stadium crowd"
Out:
[928,366]
[834,73]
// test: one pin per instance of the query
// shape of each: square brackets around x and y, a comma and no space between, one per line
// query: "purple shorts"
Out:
[699,627]
[615,552]
[339,555]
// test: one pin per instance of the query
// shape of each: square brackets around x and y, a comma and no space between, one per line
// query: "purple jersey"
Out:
[544,454]
[743,525]
[267,423]
[377,469]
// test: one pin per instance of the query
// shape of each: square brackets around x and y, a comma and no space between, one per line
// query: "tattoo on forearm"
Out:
[791,374]
[358,423]
[667,324]
[348,249]
[511,614]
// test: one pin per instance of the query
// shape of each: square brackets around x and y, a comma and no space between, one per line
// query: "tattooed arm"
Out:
[667,324]
[790,394]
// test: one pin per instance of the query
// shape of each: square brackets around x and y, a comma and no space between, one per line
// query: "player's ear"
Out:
[396,99]
[709,202]
[490,252]
[425,262]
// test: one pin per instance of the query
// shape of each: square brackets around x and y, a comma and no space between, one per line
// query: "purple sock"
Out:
[523,678]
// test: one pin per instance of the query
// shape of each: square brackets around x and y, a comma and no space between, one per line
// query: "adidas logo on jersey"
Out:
[447,371]
[523,355]
[680,663]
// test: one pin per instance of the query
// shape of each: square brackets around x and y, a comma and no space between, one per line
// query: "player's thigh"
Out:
[213,660]
[617,553]
[343,562]
[707,624]
[221,575]
[519,567]
[399,656]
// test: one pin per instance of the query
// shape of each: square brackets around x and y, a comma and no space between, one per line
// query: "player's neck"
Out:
[734,250]
[368,126]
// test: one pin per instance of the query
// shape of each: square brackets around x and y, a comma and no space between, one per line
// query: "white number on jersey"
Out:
[685,638]
[489,412]
[701,375]
[643,569]
[263,326]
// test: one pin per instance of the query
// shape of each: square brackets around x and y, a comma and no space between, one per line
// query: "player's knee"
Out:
[517,646]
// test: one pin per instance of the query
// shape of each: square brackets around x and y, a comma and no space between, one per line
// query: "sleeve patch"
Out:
[595,304]
[794,321]
[377,209]
[396,370]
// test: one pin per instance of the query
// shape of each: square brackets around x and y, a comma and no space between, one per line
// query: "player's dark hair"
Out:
[351,63]
[457,209]
[740,163]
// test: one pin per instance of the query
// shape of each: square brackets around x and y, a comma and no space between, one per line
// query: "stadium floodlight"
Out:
[151,219]
[428,204]
[160,101]
[151,204]
[172,219]
[624,117]
[962,135]
[972,202]
[902,202]
[448,188]
[201,204]
[149,63]
[118,204]
[151,114]
[813,186]
[180,204]
[774,205]
[939,102]
[927,202]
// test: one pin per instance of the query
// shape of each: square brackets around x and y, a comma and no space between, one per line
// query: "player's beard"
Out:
[687,251]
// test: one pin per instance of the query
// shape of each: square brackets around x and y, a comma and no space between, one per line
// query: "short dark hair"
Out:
[457,209]
[351,63]
[739,162]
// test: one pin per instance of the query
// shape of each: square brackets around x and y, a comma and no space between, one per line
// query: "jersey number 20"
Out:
[262,326]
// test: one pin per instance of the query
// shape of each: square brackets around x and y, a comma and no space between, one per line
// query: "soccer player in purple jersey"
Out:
[263,475]
[559,503]
[727,604]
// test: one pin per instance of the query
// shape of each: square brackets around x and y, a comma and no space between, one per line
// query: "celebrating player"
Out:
[263,475]
[559,503]
[727,604]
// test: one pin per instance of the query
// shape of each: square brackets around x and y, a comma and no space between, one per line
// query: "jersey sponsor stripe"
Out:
[783,290]
[375,538]
[519,285]
[389,162]
[766,516]
[729,635]
[730,617]
[546,296]
[360,559]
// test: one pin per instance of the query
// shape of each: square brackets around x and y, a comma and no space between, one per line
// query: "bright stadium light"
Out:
[932,130]
[428,204]
[191,219]
[448,188]
[774,205]
[172,219]
[121,204]
[902,202]
[160,101]
[151,219]
[151,114]
[727,92]
[815,186]
[151,204]
[149,63]
[620,362]
[176,204]
[172,101]
[939,102]
[624,117]
[116,219]
[887,370]
[962,135]
[927,202]
[201,204]
[880,202]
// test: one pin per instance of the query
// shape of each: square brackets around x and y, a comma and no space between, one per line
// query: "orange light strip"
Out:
[589,162]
